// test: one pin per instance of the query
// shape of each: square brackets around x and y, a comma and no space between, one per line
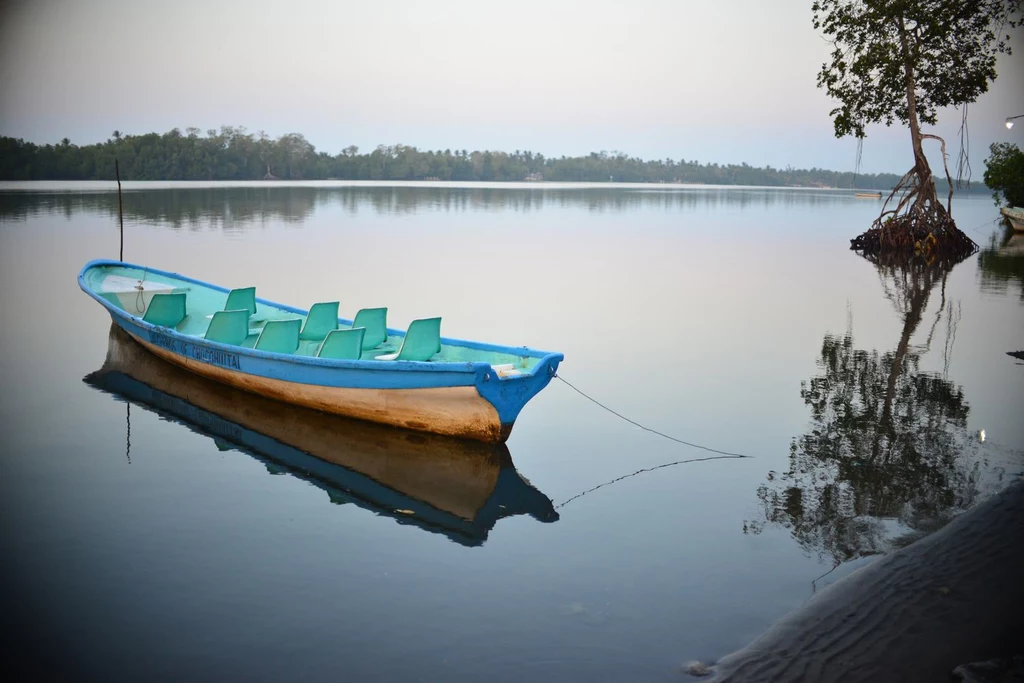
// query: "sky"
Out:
[724,82]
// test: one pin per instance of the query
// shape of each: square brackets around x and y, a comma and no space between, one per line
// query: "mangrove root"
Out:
[918,224]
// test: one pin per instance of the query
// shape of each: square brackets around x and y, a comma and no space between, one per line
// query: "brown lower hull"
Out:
[452,411]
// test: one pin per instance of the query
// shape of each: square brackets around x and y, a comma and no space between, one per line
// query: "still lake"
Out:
[157,528]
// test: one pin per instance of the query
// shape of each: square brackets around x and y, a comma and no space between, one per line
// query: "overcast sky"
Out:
[714,81]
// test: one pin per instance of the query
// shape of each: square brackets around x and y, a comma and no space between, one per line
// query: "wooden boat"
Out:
[460,388]
[1014,216]
[456,487]
[868,195]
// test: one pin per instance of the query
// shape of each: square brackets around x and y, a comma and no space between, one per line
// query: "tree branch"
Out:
[949,180]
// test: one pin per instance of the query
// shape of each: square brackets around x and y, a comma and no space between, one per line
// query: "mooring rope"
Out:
[650,469]
[648,429]
[140,300]
[988,222]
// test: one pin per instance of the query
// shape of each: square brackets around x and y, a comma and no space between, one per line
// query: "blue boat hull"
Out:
[461,399]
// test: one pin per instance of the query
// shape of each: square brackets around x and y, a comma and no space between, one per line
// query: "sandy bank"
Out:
[953,597]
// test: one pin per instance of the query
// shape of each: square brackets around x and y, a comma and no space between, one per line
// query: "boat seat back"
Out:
[244,298]
[375,320]
[229,327]
[280,336]
[422,340]
[166,310]
[343,344]
[322,318]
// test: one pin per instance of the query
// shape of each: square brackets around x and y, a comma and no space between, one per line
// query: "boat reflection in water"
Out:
[455,487]
[1002,263]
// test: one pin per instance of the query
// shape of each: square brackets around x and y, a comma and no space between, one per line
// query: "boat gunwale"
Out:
[545,358]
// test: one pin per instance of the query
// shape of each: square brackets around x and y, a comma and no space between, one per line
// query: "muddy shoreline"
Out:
[953,597]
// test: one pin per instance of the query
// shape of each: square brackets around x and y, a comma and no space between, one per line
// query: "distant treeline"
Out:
[235,154]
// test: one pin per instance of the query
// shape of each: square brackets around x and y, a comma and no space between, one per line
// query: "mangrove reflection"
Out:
[1002,262]
[453,487]
[237,208]
[887,454]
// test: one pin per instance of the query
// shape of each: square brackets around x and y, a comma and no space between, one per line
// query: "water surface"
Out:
[207,543]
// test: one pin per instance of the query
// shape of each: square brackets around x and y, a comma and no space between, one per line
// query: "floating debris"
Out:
[699,669]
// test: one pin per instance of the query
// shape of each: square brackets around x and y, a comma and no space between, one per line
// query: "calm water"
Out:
[205,544]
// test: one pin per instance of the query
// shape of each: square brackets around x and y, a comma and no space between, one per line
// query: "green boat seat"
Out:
[280,336]
[322,318]
[422,341]
[166,310]
[375,320]
[343,344]
[229,327]
[244,298]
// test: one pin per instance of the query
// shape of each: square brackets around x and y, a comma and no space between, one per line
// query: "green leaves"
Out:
[950,57]
[1004,173]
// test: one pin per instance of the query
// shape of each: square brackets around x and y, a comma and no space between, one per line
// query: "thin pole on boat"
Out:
[120,209]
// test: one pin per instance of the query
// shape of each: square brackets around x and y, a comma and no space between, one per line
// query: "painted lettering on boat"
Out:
[203,354]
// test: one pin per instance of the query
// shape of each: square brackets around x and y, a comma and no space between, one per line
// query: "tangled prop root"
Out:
[918,225]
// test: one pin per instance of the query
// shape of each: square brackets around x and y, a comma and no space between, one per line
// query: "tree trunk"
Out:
[923,170]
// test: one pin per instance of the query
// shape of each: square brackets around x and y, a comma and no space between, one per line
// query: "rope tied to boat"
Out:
[649,469]
[721,455]
[725,454]
[140,300]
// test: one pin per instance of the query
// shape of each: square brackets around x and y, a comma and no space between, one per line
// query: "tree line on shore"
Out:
[232,153]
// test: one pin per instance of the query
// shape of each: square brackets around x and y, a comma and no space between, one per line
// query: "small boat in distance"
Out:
[455,487]
[1014,216]
[868,195]
[358,368]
